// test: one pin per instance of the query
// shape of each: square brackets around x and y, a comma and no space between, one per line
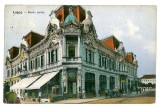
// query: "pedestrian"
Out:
[106,94]
[18,95]
[140,90]
[39,95]
[83,94]
[39,100]
[137,90]
[17,100]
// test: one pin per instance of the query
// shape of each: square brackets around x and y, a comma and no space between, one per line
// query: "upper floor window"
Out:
[114,65]
[117,66]
[71,51]
[100,60]
[89,56]
[42,60]
[25,66]
[37,62]
[110,64]
[8,73]
[53,56]
[31,64]
[105,62]
[12,72]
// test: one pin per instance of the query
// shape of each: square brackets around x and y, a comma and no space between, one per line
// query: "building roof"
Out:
[111,42]
[149,76]
[33,38]
[14,51]
[129,56]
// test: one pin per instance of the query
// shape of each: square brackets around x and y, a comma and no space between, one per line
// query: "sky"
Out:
[135,26]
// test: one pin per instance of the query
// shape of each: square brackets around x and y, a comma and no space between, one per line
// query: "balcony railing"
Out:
[71,58]
[22,73]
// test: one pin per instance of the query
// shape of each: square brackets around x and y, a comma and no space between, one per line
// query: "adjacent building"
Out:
[70,58]
[148,78]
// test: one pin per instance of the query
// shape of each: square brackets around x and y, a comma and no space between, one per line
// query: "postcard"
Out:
[81,54]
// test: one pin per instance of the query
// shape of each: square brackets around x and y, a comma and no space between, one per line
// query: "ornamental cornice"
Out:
[71,29]
[89,45]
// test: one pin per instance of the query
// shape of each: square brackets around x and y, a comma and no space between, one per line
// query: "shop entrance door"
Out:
[72,89]
[72,83]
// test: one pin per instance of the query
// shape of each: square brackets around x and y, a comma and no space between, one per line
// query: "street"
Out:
[146,97]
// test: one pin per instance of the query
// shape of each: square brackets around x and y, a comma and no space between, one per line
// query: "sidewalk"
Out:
[77,101]
[68,101]
[33,102]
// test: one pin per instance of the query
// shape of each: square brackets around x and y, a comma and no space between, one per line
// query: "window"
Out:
[48,57]
[117,66]
[56,55]
[102,83]
[42,60]
[103,61]
[24,66]
[120,67]
[100,60]
[12,72]
[114,65]
[71,51]
[86,55]
[92,57]
[20,66]
[52,56]
[31,64]
[8,73]
[110,64]
[36,63]
[89,56]
[16,70]
[112,83]
[105,65]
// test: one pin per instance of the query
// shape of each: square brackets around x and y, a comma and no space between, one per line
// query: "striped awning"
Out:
[42,80]
[22,84]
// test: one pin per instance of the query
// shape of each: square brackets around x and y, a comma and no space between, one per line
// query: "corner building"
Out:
[70,58]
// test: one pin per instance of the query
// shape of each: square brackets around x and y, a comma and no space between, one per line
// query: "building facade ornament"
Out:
[88,26]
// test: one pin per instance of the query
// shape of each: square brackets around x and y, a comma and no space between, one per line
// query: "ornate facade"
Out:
[70,58]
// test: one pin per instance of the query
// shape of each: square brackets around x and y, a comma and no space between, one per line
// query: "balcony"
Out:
[71,59]
[22,73]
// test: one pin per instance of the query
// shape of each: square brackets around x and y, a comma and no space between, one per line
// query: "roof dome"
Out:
[71,17]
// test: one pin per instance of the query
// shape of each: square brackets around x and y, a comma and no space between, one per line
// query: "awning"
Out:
[24,83]
[41,81]
[7,80]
